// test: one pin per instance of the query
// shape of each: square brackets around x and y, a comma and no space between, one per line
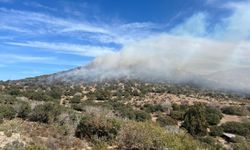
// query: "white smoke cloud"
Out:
[184,53]
[237,25]
[164,51]
[195,26]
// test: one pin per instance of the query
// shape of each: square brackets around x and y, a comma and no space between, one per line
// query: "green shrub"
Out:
[76,99]
[178,115]
[1,119]
[102,94]
[141,115]
[34,147]
[128,112]
[94,128]
[45,113]
[216,131]
[238,139]
[213,116]
[175,107]
[7,99]
[212,119]
[141,136]
[233,110]
[8,133]
[78,107]
[211,142]
[237,128]
[14,91]
[165,121]
[100,145]
[178,111]
[23,109]
[7,111]
[195,121]
[243,145]
[154,108]
[56,92]
[15,145]
[38,95]
[146,136]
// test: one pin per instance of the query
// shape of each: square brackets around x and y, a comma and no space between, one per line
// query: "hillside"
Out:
[98,115]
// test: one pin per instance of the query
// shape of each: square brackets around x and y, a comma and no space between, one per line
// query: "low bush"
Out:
[154,108]
[213,115]
[233,110]
[102,94]
[76,99]
[23,109]
[45,113]
[15,145]
[94,128]
[165,121]
[177,107]
[238,139]
[7,99]
[216,131]
[178,115]
[7,111]
[140,115]
[212,119]
[210,142]
[14,91]
[100,146]
[144,135]
[237,128]
[178,111]
[1,119]
[128,112]
[243,145]
[56,92]
[34,147]
[78,107]
[195,120]
[38,95]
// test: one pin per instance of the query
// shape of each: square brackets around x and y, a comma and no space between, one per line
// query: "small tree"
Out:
[195,121]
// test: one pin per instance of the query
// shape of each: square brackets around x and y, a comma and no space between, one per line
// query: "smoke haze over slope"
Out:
[189,51]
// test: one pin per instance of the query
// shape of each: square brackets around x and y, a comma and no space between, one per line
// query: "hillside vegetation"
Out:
[120,115]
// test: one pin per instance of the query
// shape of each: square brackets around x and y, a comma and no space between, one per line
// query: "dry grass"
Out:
[50,136]
[233,118]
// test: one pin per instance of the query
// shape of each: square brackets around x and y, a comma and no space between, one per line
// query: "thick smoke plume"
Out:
[173,59]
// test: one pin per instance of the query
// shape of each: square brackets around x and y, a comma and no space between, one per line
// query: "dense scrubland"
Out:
[121,115]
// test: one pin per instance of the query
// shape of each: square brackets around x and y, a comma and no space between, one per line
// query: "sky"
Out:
[40,37]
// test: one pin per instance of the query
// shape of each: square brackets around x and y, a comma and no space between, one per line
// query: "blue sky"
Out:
[42,36]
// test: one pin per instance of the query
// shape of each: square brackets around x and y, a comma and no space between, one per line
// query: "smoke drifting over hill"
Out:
[188,52]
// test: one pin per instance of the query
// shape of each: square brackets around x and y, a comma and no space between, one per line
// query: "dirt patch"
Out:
[230,118]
